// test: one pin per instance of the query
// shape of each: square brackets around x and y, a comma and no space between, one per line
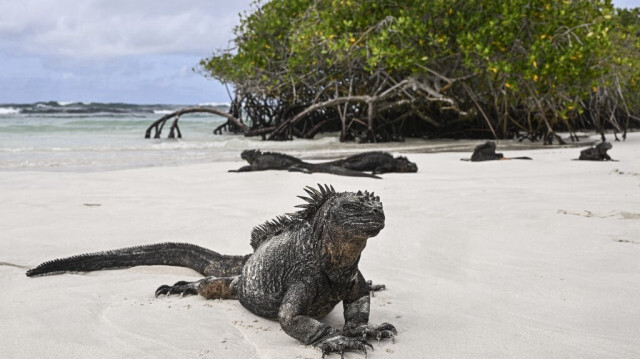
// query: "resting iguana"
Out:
[262,161]
[302,266]
[376,162]
[487,152]
[597,153]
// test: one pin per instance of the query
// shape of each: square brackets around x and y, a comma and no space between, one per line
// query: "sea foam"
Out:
[9,111]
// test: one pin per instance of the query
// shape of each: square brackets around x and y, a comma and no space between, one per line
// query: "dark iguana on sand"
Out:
[262,161]
[377,162]
[597,153]
[302,266]
[487,152]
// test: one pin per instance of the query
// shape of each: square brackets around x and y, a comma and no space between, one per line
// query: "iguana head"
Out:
[341,224]
[354,214]
[603,147]
[403,164]
[249,155]
[347,216]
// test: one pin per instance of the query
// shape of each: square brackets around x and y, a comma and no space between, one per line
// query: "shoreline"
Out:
[173,152]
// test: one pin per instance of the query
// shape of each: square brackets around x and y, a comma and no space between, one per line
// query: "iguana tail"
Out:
[341,171]
[202,260]
[336,170]
[517,158]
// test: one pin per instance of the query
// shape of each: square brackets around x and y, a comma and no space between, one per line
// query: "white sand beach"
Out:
[503,259]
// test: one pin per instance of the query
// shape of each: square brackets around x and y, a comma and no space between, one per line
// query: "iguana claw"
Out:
[378,332]
[182,288]
[340,344]
[375,288]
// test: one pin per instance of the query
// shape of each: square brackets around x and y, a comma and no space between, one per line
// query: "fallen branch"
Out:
[159,124]
[317,106]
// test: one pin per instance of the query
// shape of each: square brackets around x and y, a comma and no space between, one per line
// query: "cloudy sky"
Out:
[134,51]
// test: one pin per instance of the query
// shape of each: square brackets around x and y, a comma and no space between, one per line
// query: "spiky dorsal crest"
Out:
[368,196]
[258,152]
[318,198]
[289,221]
[269,229]
[315,200]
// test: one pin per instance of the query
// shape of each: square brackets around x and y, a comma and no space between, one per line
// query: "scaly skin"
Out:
[302,266]
[376,162]
[262,161]
[597,153]
[487,152]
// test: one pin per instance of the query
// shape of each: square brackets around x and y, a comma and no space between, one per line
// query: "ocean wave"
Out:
[214,104]
[85,108]
[9,111]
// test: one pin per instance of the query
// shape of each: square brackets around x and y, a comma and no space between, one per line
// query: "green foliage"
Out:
[507,61]
[626,56]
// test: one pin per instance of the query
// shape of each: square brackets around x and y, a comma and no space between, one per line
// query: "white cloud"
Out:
[626,3]
[96,28]
[138,51]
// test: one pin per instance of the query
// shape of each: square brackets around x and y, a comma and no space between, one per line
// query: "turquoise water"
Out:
[88,137]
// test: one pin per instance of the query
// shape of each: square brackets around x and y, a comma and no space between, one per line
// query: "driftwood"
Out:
[158,125]
[394,110]
[427,93]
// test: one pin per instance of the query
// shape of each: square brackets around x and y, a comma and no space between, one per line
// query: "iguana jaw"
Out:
[365,226]
[342,245]
[341,251]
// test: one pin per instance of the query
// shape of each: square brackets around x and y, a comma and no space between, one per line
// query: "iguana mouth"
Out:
[373,221]
[369,228]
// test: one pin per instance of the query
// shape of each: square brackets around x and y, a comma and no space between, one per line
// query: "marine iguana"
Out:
[262,161]
[377,162]
[597,153]
[487,152]
[303,265]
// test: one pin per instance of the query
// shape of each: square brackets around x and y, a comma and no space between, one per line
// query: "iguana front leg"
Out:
[386,168]
[209,287]
[375,287]
[356,314]
[310,331]
[243,169]
[296,168]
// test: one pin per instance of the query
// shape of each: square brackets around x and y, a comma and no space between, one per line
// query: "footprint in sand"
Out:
[619,240]
[619,172]
[612,214]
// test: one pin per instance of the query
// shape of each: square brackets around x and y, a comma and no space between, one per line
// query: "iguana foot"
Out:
[182,288]
[299,169]
[368,331]
[340,344]
[375,288]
